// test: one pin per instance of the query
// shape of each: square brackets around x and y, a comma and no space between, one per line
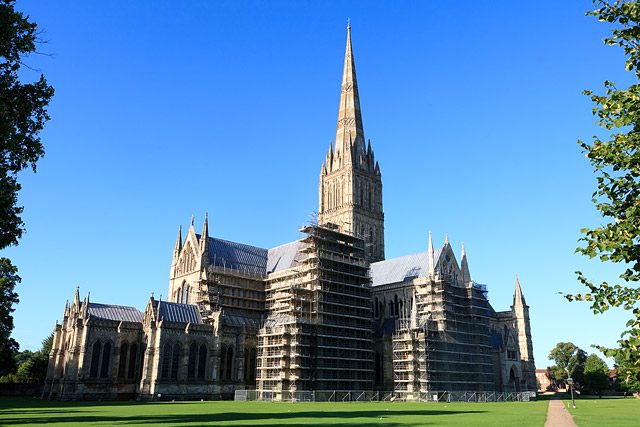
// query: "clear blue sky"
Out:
[168,109]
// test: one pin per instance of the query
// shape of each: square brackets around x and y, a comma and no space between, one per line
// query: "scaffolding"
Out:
[317,329]
[445,343]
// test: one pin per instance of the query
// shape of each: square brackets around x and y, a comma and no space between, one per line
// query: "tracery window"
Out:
[95,359]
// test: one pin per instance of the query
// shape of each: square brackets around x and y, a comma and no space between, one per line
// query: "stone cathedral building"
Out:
[326,312]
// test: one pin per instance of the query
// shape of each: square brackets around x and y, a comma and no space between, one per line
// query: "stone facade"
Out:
[326,312]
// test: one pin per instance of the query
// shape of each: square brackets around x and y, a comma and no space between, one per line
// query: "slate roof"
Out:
[114,312]
[398,270]
[237,256]
[282,257]
[179,313]
[251,259]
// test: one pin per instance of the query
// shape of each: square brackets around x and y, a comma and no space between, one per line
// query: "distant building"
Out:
[326,312]
[543,379]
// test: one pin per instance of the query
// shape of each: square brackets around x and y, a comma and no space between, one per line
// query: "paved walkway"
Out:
[558,416]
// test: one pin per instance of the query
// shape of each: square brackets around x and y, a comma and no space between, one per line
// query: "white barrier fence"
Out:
[382,396]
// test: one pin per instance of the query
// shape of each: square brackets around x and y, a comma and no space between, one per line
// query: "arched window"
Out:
[253,359]
[166,360]
[95,359]
[378,367]
[175,359]
[229,363]
[246,364]
[223,362]
[193,355]
[106,358]
[133,356]
[202,361]
[122,366]
[395,305]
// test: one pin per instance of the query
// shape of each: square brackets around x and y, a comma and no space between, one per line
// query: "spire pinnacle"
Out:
[464,266]
[205,227]
[518,298]
[178,246]
[349,116]
[431,260]
[446,239]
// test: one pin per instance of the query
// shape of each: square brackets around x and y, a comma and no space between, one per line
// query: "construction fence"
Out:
[382,396]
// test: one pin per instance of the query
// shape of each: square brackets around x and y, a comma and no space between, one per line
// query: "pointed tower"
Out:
[520,311]
[350,191]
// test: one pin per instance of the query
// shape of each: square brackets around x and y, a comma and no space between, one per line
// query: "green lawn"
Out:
[18,411]
[592,412]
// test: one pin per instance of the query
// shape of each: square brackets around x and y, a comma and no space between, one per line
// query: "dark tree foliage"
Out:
[596,374]
[22,116]
[8,346]
[616,162]
[568,357]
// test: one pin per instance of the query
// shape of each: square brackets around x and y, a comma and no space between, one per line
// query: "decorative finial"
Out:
[151,294]
[348,23]
[192,218]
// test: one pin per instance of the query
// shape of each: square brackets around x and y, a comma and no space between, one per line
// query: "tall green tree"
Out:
[8,346]
[616,161]
[596,374]
[568,357]
[23,114]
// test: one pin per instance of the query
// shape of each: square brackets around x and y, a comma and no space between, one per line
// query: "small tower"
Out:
[520,311]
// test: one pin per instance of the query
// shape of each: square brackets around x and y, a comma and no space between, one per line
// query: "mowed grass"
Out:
[22,412]
[592,412]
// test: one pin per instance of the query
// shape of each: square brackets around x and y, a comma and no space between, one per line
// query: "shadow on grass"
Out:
[27,412]
[263,418]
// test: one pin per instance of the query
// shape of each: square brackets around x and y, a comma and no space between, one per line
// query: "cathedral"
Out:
[325,313]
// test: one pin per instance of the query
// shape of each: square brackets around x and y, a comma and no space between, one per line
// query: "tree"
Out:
[596,374]
[34,370]
[8,346]
[569,357]
[617,164]
[23,114]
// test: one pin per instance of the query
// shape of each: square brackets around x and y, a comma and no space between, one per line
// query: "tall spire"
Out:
[518,298]
[349,117]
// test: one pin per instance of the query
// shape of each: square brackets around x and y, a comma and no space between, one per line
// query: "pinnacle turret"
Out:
[518,298]
[464,266]
[432,264]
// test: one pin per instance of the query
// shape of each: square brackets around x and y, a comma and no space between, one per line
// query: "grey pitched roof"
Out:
[251,259]
[400,269]
[282,257]
[179,313]
[237,256]
[114,312]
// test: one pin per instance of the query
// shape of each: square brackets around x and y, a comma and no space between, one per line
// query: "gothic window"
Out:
[395,305]
[253,361]
[202,361]
[378,367]
[133,356]
[122,366]
[175,359]
[223,362]
[166,360]
[191,366]
[95,359]
[229,366]
[106,356]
